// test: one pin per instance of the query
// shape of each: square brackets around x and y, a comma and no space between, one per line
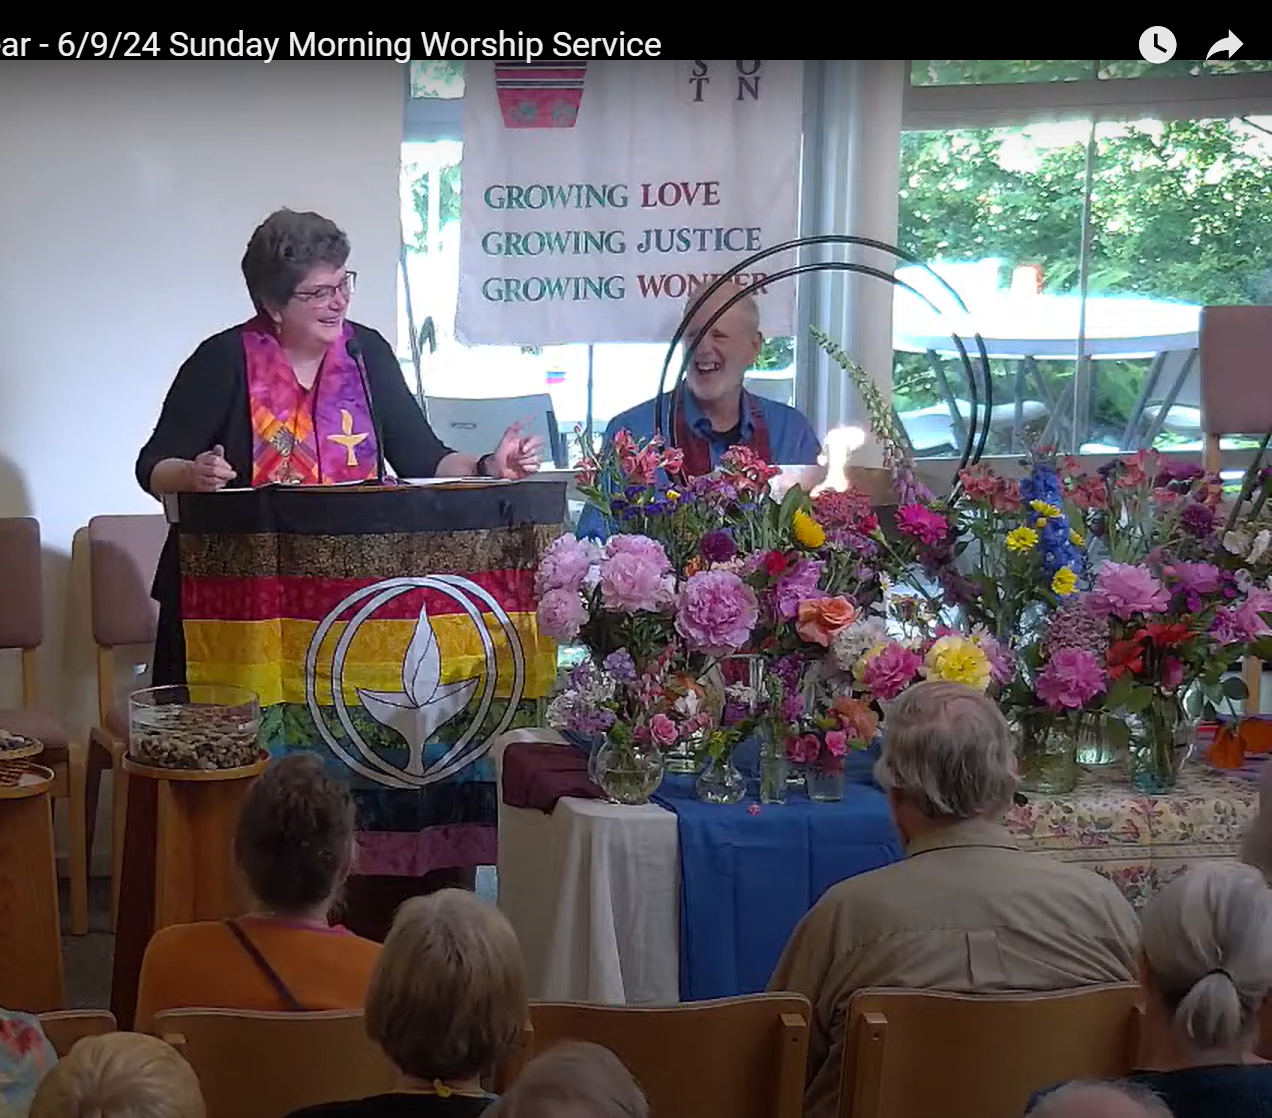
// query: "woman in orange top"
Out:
[294,845]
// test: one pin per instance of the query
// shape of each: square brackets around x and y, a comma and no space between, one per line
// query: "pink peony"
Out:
[798,583]
[564,565]
[1123,589]
[716,612]
[1071,679]
[889,672]
[920,521]
[1195,578]
[663,730]
[1244,623]
[648,551]
[561,615]
[632,581]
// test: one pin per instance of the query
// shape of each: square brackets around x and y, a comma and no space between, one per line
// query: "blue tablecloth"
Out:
[747,879]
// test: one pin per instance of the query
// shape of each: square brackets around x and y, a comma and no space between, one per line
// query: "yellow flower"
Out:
[1076,538]
[1065,582]
[1041,522]
[806,530]
[958,660]
[1022,539]
[673,495]
[1044,509]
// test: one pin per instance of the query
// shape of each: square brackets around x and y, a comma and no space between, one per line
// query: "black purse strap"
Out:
[289,999]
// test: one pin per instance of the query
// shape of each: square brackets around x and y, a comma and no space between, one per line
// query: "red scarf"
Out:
[697,448]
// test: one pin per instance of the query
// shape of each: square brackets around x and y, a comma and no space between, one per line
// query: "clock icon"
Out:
[1157,45]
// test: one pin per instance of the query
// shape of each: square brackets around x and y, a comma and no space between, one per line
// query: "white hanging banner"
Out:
[598,197]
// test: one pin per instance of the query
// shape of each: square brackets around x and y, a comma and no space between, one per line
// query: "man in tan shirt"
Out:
[966,910]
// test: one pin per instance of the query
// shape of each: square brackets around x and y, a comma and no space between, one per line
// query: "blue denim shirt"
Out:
[791,439]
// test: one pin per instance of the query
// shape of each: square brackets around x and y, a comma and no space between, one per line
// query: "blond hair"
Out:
[120,1075]
[448,996]
[948,748]
[576,1077]
[1207,946]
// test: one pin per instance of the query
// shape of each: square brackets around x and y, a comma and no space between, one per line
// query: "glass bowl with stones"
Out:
[200,726]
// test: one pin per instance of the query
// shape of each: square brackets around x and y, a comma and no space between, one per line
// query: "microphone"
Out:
[355,351]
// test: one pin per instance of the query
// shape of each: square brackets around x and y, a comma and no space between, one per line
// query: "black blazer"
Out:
[208,404]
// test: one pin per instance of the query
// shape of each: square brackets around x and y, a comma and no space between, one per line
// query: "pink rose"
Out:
[561,615]
[821,618]
[663,730]
[836,742]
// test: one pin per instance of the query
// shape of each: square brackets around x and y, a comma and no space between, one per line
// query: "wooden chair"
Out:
[912,1052]
[733,1058]
[1236,399]
[265,1065]
[123,552]
[22,630]
[65,1027]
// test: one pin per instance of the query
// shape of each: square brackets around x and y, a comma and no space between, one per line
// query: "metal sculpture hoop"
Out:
[977,433]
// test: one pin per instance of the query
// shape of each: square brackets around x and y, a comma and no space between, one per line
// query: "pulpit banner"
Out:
[599,196]
[392,632]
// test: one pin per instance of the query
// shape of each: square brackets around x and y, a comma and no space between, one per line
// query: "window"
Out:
[1002,71]
[586,383]
[1084,252]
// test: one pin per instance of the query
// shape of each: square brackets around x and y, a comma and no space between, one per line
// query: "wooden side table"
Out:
[178,863]
[31,976]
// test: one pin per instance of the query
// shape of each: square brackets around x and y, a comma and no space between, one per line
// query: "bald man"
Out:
[1101,1100]
[713,412]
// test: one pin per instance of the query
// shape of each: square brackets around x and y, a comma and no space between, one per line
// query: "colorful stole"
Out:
[322,436]
[697,448]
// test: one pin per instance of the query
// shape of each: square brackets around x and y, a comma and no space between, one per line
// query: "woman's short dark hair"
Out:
[294,841]
[285,248]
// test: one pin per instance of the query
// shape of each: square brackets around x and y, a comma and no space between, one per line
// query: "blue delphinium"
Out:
[1043,486]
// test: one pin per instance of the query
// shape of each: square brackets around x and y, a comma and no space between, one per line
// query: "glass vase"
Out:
[1161,741]
[628,772]
[825,782]
[1048,745]
[685,757]
[720,782]
[773,778]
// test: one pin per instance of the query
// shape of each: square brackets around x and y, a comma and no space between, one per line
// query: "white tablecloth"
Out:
[593,891]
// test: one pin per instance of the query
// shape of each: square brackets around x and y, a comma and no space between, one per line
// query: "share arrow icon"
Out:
[1229,46]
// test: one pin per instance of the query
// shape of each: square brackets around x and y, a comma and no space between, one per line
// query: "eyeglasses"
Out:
[328,291]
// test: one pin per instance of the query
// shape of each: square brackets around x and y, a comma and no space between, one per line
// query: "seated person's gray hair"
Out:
[1057,1103]
[949,749]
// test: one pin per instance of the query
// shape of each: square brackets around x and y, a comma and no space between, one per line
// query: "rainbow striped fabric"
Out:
[391,630]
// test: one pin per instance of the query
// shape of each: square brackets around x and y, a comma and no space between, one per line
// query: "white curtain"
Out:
[851,169]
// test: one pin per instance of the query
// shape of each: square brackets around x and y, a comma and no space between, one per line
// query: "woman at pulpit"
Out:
[298,394]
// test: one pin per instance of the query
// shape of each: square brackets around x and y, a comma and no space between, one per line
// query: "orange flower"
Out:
[821,618]
[856,718]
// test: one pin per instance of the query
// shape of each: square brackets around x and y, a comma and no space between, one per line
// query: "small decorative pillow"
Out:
[26,1057]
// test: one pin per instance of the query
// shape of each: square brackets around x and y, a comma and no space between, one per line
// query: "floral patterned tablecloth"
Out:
[1140,841]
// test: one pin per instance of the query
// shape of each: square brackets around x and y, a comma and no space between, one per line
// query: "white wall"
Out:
[127,194]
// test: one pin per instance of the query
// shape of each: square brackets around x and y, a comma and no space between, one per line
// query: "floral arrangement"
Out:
[1020,556]
[1142,504]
